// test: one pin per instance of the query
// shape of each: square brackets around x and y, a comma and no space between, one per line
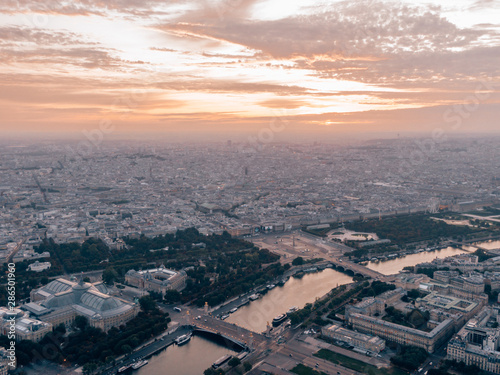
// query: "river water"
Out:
[295,292]
[490,245]
[190,359]
[393,266]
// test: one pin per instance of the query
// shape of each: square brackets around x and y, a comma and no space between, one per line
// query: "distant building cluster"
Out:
[55,195]
[61,300]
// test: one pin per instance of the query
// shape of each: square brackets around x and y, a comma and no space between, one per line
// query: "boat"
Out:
[181,340]
[233,310]
[292,309]
[311,270]
[221,361]
[139,364]
[124,368]
[279,319]
[271,286]
[253,297]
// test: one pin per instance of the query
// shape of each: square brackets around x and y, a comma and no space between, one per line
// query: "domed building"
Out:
[60,301]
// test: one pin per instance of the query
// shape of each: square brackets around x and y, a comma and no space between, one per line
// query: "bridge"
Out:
[357,269]
[231,335]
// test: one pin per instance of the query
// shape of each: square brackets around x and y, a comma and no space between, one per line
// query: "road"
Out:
[289,355]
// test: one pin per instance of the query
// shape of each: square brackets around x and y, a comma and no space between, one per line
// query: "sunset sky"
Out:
[235,66]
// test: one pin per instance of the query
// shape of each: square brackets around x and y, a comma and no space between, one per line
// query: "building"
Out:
[4,361]
[26,327]
[478,342]
[366,317]
[60,301]
[401,334]
[442,307]
[39,266]
[463,262]
[359,340]
[461,286]
[158,279]
[408,281]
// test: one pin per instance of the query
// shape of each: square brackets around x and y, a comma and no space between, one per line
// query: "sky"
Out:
[254,67]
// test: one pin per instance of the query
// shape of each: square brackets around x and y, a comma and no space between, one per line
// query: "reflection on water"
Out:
[190,359]
[295,292]
[489,244]
[393,266]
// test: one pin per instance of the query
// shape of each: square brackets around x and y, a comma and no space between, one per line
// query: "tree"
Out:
[247,366]
[410,357]
[80,322]
[89,368]
[147,304]
[233,362]
[126,349]
[61,328]
[298,261]
[109,275]
[172,296]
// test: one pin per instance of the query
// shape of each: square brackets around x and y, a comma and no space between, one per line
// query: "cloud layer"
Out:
[226,65]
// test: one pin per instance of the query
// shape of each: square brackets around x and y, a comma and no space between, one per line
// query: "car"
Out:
[178,309]
[316,365]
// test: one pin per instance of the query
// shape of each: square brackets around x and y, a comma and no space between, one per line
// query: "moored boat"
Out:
[124,368]
[181,340]
[139,364]
[292,309]
[253,297]
[279,319]
[221,361]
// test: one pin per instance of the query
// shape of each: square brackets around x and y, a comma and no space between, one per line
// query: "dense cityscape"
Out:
[258,187]
[193,240]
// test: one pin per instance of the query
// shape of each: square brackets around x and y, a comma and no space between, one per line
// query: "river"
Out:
[190,359]
[295,292]
[490,245]
[393,266]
